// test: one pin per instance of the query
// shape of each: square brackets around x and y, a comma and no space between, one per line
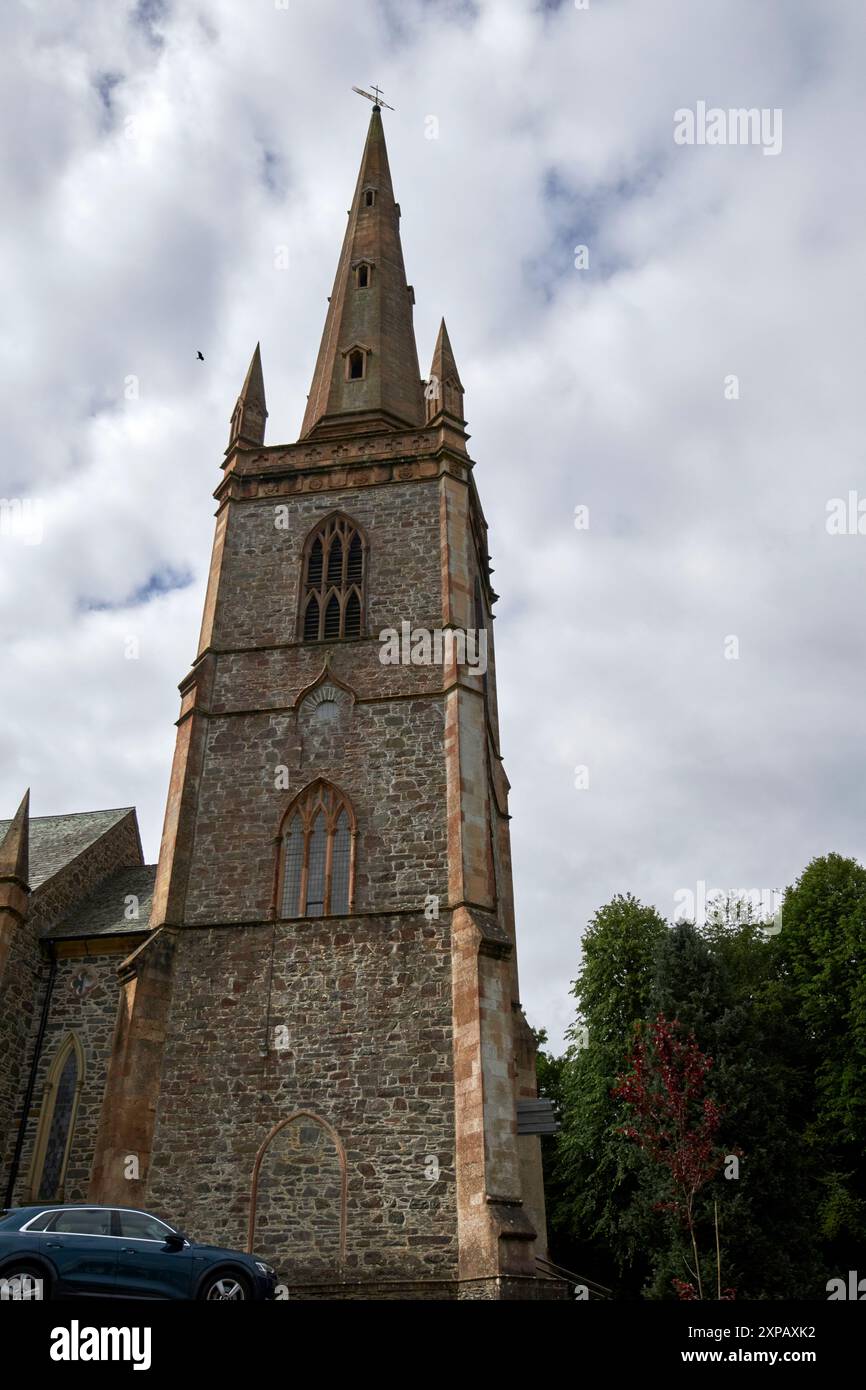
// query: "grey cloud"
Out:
[129,247]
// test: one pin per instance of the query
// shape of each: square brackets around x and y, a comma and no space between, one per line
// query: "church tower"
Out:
[319,1049]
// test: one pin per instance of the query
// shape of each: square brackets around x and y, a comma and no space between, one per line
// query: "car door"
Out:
[147,1267]
[80,1242]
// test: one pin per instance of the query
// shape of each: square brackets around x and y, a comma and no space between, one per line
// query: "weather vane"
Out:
[376,99]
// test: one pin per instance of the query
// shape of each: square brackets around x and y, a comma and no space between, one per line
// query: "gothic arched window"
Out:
[317,854]
[332,589]
[57,1121]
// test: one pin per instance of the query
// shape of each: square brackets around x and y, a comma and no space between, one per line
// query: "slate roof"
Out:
[56,840]
[103,913]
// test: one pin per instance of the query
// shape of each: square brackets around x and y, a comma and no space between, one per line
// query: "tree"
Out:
[822,955]
[675,1122]
[722,982]
[783,1015]
[595,1176]
[725,983]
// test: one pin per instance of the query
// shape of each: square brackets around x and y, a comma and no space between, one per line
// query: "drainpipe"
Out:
[31,1080]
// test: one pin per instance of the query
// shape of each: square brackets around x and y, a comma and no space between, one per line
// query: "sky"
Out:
[667,425]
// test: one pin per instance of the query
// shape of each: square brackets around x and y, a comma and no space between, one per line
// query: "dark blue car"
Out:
[119,1252]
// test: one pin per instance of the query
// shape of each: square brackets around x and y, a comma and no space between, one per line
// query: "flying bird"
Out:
[200,356]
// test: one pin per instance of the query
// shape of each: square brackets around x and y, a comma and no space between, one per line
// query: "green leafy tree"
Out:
[822,954]
[783,1015]
[594,1209]
[722,983]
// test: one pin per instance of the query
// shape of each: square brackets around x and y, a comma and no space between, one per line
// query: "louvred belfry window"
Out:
[332,594]
[317,854]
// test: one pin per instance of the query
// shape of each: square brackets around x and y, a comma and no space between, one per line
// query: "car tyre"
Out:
[226,1285]
[23,1270]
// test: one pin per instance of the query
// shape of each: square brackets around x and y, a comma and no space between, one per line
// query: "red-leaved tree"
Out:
[675,1122]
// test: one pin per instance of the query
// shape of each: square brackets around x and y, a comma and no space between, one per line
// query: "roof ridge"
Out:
[68,815]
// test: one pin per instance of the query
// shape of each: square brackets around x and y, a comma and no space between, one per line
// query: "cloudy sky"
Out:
[698,386]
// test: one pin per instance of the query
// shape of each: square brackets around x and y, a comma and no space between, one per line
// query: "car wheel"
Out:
[20,1280]
[226,1284]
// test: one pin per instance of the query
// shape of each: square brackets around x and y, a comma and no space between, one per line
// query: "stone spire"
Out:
[14,874]
[444,392]
[250,413]
[367,375]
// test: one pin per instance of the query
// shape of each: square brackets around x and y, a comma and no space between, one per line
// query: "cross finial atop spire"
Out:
[375,97]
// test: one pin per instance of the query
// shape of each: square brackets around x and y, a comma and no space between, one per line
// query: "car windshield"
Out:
[16,1216]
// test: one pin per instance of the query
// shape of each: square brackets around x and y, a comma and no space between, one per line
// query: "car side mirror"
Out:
[176,1240]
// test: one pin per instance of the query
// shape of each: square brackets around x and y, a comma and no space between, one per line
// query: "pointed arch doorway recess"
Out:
[303,1122]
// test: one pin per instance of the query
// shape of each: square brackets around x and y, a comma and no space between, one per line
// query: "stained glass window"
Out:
[58,1134]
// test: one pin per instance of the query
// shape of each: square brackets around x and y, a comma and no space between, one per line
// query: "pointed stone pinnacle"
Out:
[444,391]
[250,412]
[15,847]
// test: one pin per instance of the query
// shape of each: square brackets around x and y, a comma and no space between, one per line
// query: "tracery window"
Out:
[57,1121]
[332,591]
[317,859]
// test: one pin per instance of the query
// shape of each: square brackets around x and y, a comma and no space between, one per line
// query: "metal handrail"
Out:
[600,1290]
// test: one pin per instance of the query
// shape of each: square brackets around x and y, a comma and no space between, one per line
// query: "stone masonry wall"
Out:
[23,985]
[262,562]
[89,1013]
[389,763]
[386,756]
[354,1025]
[21,992]
[299,1191]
